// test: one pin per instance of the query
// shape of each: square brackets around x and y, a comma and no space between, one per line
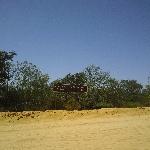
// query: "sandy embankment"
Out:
[117,129]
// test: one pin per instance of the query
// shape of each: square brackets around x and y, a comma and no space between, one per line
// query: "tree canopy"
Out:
[6,59]
[30,89]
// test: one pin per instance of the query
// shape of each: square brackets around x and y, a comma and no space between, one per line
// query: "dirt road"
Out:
[104,129]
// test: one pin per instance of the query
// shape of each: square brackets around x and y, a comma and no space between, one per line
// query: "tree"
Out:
[77,78]
[30,83]
[147,91]
[6,59]
[112,93]
[71,100]
[97,80]
[131,89]
[146,95]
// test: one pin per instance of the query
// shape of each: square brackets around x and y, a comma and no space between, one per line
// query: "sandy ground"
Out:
[116,129]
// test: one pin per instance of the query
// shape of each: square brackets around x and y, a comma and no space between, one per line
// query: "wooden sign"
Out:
[70,88]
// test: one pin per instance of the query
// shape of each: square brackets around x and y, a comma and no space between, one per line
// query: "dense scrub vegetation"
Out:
[24,87]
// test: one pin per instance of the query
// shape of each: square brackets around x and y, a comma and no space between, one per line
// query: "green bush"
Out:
[72,104]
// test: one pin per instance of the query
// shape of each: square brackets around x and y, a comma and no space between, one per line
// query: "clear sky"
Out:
[62,36]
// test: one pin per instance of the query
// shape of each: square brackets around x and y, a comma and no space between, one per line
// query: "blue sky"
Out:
[62,36]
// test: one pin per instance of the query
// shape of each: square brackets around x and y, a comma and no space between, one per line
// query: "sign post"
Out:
[77,88]
[70,88]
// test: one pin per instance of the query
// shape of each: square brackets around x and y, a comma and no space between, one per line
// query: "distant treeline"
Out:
[24,87]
